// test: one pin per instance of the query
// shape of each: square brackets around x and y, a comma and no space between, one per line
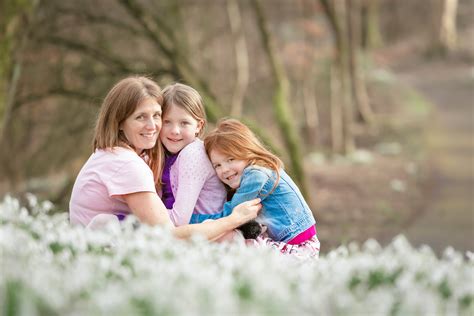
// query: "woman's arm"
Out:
[150,210]
[212,230]
[148,207]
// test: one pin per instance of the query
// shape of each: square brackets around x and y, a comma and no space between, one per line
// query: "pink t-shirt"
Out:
[106,176]
[195,185]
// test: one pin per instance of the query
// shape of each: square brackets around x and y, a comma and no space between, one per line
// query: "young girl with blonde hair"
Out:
[189,183]
[246,167]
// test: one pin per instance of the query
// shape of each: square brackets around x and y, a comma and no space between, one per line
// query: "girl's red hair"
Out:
[233,138]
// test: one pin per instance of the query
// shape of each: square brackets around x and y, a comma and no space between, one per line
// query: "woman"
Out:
[122,175]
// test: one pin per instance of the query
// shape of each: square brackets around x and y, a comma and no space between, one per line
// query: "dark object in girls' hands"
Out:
[251,229]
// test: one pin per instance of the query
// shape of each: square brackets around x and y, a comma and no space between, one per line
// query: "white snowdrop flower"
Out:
[452,255]
[126,271]
[398,185]
[470,256]
[411,168]
[47,206]
[317,158]
[361,156]
[372,246]
[388,148]
[401,244]
[32,199]
[426,251]
[23,215]
[353,247]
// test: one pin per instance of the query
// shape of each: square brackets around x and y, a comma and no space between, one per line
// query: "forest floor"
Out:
[421,182]
[448,213]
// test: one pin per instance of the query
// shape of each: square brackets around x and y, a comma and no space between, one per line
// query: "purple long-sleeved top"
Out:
[167,193]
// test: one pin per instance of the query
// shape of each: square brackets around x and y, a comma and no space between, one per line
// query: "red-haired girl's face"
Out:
[229,170]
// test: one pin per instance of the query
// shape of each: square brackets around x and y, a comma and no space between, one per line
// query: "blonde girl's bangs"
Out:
[188,99]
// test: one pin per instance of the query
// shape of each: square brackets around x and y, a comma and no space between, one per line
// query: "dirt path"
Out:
[448,218]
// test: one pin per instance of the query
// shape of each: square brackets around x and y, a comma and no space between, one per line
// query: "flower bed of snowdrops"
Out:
[49,267]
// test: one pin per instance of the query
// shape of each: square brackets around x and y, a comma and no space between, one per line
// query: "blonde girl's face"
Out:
[229,170]
[142,127]
[179,129]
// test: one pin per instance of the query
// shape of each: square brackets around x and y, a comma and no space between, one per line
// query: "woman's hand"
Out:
[246,211]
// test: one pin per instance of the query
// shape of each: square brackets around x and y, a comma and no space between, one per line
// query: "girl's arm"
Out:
[212,230]
[251,187]
[199,218]
[150,210]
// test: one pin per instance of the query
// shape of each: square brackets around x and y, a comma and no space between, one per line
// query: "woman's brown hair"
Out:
[121,101]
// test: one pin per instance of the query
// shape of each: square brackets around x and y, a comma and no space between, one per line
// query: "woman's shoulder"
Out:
[117,155]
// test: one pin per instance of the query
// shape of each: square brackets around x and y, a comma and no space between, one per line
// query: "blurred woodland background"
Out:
[335,87]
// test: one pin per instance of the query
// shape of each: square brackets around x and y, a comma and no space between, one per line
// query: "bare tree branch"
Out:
[169,46]
[56,91]
[101,19]
[154,29]
[100,55]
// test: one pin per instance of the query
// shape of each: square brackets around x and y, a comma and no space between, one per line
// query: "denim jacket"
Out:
[285,212]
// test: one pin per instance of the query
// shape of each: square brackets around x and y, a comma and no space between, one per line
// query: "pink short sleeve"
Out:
[106,176]
[134,176]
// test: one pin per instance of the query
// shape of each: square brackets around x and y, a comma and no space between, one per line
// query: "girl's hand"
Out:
[246,211]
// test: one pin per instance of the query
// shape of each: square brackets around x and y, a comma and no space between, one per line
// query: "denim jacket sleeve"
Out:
[251,186]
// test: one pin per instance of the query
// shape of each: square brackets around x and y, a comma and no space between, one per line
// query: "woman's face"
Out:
[142,127]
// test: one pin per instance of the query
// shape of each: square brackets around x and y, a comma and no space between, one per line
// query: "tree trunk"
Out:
[280,101]
[358,86]
[307,96]
[336,111]
[344,74]
[241,58]
[336,12]
[447,32]
[310,106]
[443,27]
[17,28]
[370,27]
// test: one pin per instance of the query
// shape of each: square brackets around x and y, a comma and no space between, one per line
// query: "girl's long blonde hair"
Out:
[235,139]
[121,101]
